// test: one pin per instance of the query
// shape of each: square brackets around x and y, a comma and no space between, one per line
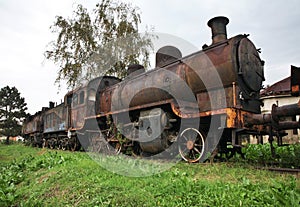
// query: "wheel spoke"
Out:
[186,139]
[196,149]
[118,148]
[193,153]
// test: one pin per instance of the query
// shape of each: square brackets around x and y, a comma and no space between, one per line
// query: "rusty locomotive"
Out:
[192,106]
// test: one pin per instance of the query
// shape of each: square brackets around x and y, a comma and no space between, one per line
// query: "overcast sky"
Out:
[274,26]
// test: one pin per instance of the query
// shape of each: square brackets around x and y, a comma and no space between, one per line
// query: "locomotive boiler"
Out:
[231,64]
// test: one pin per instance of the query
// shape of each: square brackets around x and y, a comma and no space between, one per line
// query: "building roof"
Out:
[279,88]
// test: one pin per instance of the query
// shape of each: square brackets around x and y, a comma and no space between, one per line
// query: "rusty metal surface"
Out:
[257,119]
[209,75]
[273,118]
[282,125]
[167,55]
[218,28]
[135,69]
[55,119]
[94,100]
[211,69]
[216,99]
[250,65]
[162,83]
[160,103]
[150,131]
[78,114]
[32,124]
[287,110]
[150,87]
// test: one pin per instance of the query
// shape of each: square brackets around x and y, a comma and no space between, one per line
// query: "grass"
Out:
[41,177]
[285,156]
[16,151]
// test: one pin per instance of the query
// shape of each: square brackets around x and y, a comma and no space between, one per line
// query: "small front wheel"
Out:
[191,144]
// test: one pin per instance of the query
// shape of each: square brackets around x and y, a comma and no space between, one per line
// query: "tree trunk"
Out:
[7,140]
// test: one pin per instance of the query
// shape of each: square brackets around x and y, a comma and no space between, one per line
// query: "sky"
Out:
[273,26]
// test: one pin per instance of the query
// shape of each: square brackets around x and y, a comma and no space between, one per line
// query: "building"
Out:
[15,139]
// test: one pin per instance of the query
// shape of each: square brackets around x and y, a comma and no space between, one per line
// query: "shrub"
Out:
[285,156]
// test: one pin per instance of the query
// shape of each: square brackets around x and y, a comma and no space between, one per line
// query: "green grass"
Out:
[14,151]
[41,177]
[285,156]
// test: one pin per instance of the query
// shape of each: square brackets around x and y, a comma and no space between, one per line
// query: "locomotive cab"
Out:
[84,101]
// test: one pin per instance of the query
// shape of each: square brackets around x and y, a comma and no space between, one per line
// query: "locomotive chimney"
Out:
[218,29]
[51,104]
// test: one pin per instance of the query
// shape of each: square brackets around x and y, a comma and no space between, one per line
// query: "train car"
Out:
[195,106]
[32,129]
[56,126]
[59,126]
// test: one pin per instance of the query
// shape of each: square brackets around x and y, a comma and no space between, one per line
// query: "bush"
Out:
[285,156]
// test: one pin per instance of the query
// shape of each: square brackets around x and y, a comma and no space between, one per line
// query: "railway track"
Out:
[295,172]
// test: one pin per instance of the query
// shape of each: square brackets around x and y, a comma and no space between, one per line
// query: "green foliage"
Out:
[104,41]
[286,156]
[61,178]
[12,111]
[13,174]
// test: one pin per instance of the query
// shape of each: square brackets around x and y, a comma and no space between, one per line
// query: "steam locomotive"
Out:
[193,106]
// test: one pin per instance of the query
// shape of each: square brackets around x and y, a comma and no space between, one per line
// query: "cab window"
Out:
[92,95]
[69,99]
[75,99]
[81,97]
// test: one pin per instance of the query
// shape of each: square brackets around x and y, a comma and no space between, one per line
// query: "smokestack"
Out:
[218,29]
[51,104]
